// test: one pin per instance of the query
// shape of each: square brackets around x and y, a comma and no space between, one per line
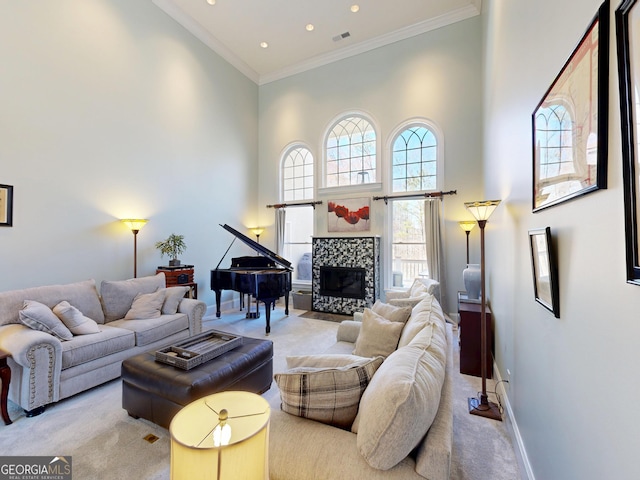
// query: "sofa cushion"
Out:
[74,320]
[118,295]
[151,330]
[428,310]
[85,348]
[173,297]
[146,305]
[391,312]
[378,336]
[401,401]
[327,395]
[38,316]
[327,360]
[83,295]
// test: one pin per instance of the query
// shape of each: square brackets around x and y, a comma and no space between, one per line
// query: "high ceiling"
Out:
[235,29]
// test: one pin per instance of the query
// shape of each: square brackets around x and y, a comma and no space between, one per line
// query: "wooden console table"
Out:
[470,335]
[5,378]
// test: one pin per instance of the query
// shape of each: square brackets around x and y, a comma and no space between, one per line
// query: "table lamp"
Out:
[481,211]
[135,225]
[221,436]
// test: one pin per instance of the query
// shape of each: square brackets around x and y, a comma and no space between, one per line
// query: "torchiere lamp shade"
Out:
[135,224]
[195,454]
[467,225]
[482,210]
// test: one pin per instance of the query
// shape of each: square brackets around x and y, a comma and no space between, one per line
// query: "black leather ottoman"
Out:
[156,391]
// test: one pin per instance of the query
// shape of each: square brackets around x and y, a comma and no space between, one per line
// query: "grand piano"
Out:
[258,276]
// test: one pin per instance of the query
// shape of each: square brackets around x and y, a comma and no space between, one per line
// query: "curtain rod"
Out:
[386,198]
[302,204]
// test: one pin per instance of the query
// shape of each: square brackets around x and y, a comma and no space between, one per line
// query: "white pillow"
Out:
[327,395]
[378,336]
[74,320]
[146,305]
[38,316]
[391,312]
[173,297]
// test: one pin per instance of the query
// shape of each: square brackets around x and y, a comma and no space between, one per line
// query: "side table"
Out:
[470,339]
[180,276]
[5,378]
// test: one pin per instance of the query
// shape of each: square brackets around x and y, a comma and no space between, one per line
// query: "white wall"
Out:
[109,110]
[436,75]
[573,385]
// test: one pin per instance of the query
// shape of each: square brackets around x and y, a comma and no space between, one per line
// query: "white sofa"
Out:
[46,368]
[404,419]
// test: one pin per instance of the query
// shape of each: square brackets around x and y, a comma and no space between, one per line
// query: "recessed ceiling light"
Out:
[264,44]
[355,8]
[309,27]
[211,2]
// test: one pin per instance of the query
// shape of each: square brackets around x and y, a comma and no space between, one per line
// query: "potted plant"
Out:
[172,247]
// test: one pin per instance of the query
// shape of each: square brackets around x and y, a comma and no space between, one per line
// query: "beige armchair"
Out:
[410,297]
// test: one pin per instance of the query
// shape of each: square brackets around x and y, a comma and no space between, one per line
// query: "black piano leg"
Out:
[267,311]
[286,303]
[218,293]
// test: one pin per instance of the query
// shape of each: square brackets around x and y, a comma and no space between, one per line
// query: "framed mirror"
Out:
[628,38]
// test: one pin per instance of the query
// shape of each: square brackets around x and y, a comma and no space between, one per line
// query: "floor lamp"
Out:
[481,211]
[467,226]
[135,225]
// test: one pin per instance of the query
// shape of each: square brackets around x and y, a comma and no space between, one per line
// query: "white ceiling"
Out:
[235,28]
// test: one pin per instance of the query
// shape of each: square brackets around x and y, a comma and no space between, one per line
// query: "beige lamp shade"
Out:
[257,231]
[467,225]
[482,210]
[195,454]
[135,224]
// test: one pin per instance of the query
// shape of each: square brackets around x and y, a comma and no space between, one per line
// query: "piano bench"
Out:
[156,391]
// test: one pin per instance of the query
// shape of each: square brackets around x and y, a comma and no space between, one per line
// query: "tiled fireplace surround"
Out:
[356,252]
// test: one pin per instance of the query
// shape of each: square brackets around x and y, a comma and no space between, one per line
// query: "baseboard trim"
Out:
[514,432]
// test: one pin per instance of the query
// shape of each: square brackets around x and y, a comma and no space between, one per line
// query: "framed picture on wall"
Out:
[6,205]
[348,215]
[545,270]
[570,124]
[628,35]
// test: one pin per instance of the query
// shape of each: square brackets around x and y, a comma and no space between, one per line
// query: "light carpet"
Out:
[105,443]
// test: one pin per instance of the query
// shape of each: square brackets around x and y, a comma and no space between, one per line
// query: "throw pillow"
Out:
[400,403]
[117,296]
[38,316]
[329,396]
[329,360]
[146,305]
[378,336]
[74,320]
[391,312]
[173,297]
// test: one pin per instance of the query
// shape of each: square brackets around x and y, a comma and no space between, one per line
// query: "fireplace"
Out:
[345,273]
[343,282]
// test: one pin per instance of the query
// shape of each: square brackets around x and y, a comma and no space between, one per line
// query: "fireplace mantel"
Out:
[346,252]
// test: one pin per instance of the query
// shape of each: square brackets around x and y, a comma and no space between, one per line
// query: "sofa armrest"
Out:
[348,331]
[194,309]
[406,302]
[36,361]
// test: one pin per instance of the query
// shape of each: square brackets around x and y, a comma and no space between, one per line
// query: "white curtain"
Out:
[434,231]
[281,215]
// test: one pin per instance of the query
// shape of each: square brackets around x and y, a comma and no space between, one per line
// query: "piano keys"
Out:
[266,277]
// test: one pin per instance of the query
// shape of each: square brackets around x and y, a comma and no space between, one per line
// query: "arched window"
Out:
[350,152]
[297,174]
[415,167]
[414,156]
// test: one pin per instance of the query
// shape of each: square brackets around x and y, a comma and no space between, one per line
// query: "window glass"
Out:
[350,151]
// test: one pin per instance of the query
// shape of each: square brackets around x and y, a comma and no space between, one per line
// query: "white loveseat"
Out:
[404,419]
[46,368]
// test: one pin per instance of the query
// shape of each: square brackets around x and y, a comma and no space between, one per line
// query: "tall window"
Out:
[350,151]
[414,169]
[297,171]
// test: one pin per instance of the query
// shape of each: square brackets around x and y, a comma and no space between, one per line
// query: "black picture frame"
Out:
[6,205]
[545,270]
[629,81]
[570,124]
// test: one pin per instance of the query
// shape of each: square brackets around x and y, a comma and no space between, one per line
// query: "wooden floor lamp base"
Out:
[484,409]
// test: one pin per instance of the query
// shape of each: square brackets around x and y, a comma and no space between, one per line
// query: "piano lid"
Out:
[259,248]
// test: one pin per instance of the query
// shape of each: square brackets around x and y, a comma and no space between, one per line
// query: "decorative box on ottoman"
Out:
[156,391]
